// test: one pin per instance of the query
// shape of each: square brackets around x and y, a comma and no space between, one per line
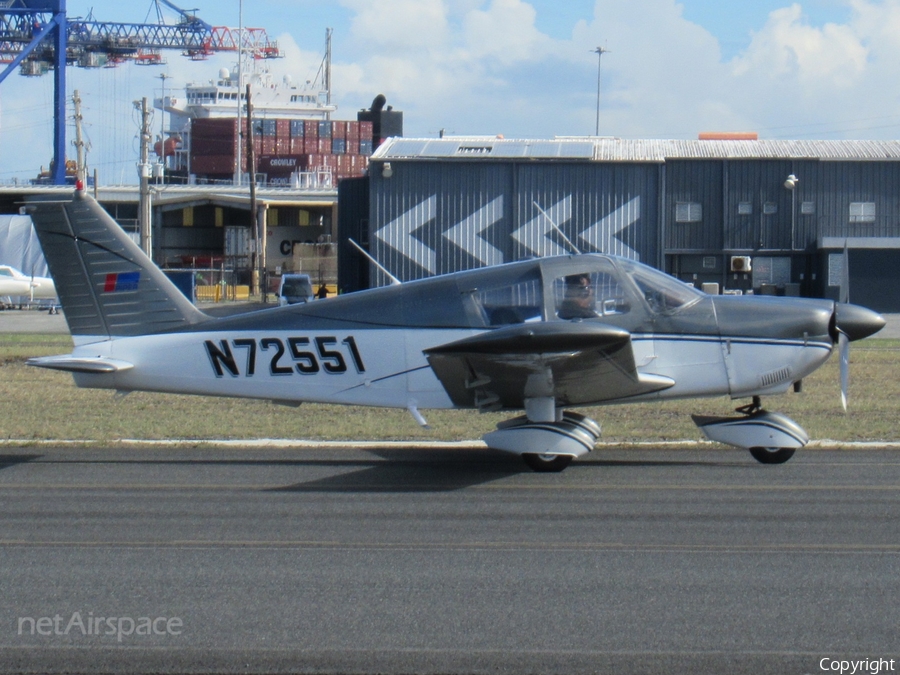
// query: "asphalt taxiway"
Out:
[410,560]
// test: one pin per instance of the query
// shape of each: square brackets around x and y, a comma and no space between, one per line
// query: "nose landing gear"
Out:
[771,438]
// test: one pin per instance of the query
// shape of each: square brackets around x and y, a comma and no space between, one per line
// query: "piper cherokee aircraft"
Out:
[14,283]
[538,335]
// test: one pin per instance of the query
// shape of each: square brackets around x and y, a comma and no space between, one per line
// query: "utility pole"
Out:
[144,214]
[259,261]
[162,125]
[599,51]
[80,169]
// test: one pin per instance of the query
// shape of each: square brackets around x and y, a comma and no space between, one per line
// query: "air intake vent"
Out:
[775,377]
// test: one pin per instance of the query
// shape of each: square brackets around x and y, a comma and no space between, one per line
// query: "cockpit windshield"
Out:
[662,292]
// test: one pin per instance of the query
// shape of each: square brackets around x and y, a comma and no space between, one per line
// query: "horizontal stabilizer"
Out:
[75,364]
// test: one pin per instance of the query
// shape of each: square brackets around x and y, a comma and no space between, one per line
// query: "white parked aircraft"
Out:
[537,335]
[13,283]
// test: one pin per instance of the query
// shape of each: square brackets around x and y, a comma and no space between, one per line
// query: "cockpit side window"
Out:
[664,293]
[589,294]
[514,301]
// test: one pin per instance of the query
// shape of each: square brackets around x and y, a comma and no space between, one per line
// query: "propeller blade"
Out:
[844,350]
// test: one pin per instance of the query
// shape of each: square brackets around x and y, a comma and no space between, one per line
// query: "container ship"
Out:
[295,141]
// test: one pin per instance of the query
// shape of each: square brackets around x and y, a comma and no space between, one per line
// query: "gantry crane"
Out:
[37,36]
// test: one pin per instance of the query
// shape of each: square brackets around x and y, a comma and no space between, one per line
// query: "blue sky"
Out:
[523,68]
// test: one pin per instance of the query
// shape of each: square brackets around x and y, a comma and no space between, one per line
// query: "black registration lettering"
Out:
[250,346]
[274,367]
[328,355]
[221,357]
[306,361]
[332,361]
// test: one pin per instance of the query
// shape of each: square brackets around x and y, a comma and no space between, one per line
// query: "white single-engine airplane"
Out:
[14,283]
[540,335]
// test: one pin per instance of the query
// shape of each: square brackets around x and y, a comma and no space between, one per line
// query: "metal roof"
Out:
[631,150]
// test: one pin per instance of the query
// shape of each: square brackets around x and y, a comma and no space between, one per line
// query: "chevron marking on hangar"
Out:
[398,234]
[461,233]
[603,234]
[533,234]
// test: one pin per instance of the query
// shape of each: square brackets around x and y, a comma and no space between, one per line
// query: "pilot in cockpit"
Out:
[578,299]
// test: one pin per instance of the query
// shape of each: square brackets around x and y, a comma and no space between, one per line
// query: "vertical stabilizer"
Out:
[107,286]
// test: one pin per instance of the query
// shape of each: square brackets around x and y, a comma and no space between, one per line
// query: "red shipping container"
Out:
[310,129]
[282,128]
[352,131]
[310,145]
[268,145]
[353,146]
[297,145]
[365,129]
[213,164]
[282,146]
[339,129]
[324,146]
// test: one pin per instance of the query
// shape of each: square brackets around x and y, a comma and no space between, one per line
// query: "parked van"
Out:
[295,288]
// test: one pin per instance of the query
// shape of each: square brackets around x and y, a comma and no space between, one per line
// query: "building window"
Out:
[745,208]
[770,208]
[862,212]
[688,212]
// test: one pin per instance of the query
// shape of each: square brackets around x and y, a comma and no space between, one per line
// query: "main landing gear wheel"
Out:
[772,455]
[546,463]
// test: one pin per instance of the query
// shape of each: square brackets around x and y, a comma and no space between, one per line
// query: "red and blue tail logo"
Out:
[121,281]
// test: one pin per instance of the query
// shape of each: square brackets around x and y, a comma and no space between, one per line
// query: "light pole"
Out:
[599,51]
[791,184]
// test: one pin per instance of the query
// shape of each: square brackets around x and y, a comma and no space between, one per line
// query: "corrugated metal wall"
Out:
[437,217]
[694,182]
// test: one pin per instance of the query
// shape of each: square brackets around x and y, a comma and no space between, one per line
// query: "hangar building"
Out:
[738,215]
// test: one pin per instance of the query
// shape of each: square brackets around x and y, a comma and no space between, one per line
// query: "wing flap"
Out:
[576,363]
[80,364]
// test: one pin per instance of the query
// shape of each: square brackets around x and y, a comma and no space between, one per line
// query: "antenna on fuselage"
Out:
[557,228]
[394,280]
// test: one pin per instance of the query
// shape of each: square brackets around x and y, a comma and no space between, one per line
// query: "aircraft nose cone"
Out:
[857,322]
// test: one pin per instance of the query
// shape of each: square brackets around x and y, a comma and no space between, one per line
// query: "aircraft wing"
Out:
[576,363]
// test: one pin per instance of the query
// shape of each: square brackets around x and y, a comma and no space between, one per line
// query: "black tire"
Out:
[547,463]
[772,455]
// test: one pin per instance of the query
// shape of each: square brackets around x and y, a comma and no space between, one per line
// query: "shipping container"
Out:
[338,146]
[283,128]
[339,129]
[310,129]
[213,164]
[269,127]
[324,129]
[353,131]
[296,145]
[297,129]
